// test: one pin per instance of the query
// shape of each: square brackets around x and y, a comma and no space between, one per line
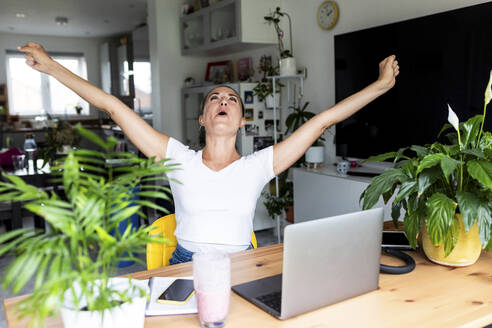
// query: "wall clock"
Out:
[327,15]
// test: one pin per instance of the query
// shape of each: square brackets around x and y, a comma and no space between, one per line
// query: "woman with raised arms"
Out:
[216,199]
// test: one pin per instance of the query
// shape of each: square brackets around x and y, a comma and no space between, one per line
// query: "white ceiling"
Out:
[86,18]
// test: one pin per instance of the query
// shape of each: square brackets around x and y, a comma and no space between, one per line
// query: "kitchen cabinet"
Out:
[227,26]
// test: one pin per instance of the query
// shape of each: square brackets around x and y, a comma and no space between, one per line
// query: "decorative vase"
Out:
[126,315]
[270,99]
[315,154]
[466,252]
[287,66]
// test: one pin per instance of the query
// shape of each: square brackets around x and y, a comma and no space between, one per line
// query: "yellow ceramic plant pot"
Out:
[466,251]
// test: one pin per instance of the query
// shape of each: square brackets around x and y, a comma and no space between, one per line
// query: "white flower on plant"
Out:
[453,119]
[455,122]
[488,90]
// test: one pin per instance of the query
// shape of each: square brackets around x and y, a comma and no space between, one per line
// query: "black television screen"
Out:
[444,58]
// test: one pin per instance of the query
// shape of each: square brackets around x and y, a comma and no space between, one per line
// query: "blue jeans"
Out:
[182,255]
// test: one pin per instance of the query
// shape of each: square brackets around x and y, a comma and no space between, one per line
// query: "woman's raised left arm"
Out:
[292,148]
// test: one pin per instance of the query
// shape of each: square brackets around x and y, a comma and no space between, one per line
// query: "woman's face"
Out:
[222,114]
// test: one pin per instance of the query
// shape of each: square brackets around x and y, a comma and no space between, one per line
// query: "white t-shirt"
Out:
[215,209]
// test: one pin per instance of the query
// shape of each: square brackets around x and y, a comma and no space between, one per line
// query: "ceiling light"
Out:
[20,15]
[61,20]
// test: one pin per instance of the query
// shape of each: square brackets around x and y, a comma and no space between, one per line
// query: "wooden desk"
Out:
[430,296]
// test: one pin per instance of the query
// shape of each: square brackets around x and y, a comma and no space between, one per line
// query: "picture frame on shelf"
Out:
[252,129]
[249,114]
[269,126]
[248,97]
[244,68]
[219,72]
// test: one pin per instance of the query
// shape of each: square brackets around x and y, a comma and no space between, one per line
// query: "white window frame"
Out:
[45,85]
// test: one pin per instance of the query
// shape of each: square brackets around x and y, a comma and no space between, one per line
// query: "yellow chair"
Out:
[158,255]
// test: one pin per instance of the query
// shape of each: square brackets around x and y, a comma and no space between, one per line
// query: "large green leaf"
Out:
[381,184]
[380,157]
[420,150]
[406,188]
[452,235]
[448,165]
[440,213]
[481,171]
[430,161]
[412,224]
[468,204]
[427,178]
[486,141]
[396,212]
[408,166]
[474,152]
[471,129]
[484,220]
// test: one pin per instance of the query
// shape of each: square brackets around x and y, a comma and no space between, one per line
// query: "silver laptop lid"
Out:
[331,259]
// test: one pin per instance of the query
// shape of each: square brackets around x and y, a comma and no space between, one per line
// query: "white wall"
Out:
[169,68]
[88,46]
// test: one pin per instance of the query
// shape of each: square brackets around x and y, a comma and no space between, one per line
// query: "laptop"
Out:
[324,261]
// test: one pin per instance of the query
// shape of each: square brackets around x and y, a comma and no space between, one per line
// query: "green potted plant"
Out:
[445,191]
[299,116]
[78,109]
[287,61]
[73,262]
[264,89]
[62,136]
[284,202]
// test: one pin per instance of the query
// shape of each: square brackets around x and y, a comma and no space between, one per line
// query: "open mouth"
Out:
[222,113]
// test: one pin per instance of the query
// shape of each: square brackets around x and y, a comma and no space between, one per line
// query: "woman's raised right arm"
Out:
[142,135]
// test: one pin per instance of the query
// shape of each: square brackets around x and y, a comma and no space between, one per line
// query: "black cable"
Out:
[409,262]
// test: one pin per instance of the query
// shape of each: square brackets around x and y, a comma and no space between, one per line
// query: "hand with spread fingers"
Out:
[37,58]
[388,70]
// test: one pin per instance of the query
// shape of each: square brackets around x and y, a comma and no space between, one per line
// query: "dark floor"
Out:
[264,238]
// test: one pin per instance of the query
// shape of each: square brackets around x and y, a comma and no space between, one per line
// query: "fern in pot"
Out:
[72,263]
[444,189]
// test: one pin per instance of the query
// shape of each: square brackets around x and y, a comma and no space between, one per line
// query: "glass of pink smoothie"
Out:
[212,282]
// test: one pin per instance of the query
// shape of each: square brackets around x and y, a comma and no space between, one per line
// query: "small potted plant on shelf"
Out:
[264,88]
[72,263]
[287,61]
[444,189]
[315,155]
[284,202]
[58,139]
[78,109]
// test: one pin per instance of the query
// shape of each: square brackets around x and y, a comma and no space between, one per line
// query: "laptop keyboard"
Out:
[272,300]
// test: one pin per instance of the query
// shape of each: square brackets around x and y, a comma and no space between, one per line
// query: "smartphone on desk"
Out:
[179,292]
